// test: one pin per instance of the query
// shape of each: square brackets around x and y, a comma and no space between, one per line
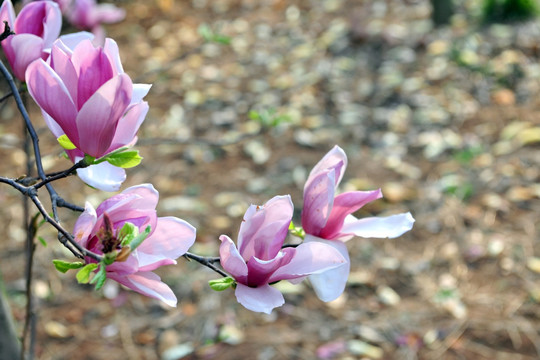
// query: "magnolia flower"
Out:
[84,94]
[327,219]
[170,237]
[260,259]
[88,15]
[36,27]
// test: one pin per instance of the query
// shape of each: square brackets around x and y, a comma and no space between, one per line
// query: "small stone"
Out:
[504,97]
[231,335]
[388,296]
[57,330]
[357,347]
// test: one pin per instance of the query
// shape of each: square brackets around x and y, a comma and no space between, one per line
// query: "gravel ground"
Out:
[444,120]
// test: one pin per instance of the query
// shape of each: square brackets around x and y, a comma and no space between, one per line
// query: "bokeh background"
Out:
[444,118]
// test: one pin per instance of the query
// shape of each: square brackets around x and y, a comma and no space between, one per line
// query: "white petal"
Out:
[260,299]
[379,227]
[330,284]
[103,176]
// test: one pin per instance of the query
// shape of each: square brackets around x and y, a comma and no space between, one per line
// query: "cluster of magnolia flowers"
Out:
[95,111]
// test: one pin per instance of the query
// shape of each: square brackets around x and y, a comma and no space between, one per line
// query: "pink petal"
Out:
[310,258]
[260,299]
[231,260]
[264,228]
[148,196]
[331,160]
[111,50]
[60,61]
[103,176]
[108,13]
[318,201]
[52,125]
[345,204]
[94,69]
[330,284]
[148,284]
[69,42]
[259,271]
[7,13]
[129,125]
[379,227]
[50,93]
[139,92]
[99,116]
[84,224]
[21,50]
[52,24]
[171,239]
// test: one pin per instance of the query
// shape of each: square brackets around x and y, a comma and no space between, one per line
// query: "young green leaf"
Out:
[100,277]
[127,233]
[140,238]
[126,159]
[42,241]
[221,284]
[66,143]
[64,266]
[83,275]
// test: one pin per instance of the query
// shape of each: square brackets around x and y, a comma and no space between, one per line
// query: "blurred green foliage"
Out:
[509,10]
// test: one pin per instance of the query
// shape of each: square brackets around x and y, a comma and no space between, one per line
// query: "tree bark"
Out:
[9,343]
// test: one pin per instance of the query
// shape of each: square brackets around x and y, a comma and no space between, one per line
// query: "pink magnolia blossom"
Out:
[327,219]
[87,14]
[260,259]
[36,27]
[169,239]
[84,93]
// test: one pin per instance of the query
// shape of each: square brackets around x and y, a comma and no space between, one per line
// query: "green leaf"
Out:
[221,284]
[125,159]
[83,276]
[140,238]
[100,277]
[42,241]
[66,143]
[209,35]
[64,266]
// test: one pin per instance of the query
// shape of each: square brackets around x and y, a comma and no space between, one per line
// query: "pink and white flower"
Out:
[169,239]
[327,219]
[84,93]
[36,28]
[260,260]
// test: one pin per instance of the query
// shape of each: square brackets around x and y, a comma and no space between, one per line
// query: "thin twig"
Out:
[65,237]
[206,261]
[63,174]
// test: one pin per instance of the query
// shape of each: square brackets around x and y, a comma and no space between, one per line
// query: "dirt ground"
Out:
[445,120]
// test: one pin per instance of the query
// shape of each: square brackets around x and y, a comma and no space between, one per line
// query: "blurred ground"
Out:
[445,120]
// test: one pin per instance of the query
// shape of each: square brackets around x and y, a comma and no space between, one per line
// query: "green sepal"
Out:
[109,258]
[64,266]
[221,284]
[89,160]
[83,275]
[66,143]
